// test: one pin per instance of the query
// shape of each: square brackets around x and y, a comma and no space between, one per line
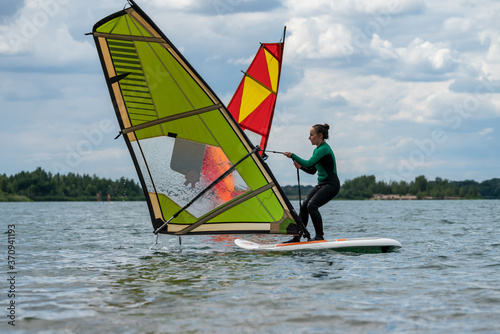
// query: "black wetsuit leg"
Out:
[319,196]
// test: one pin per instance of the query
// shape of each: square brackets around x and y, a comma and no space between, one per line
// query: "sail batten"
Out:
[182,139]
[129,37]
[260,83]
[172,118]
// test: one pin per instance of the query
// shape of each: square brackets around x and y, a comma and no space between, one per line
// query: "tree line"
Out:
[40,185]
[365,187]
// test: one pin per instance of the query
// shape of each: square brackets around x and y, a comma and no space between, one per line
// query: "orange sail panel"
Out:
[215,164]
[253,103]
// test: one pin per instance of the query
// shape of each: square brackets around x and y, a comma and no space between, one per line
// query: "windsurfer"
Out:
[323,162]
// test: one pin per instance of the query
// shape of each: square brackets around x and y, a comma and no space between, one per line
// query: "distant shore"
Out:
[42,186]
[13,198]
[381,197]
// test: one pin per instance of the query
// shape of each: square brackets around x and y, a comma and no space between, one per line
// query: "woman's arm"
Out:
[309,170]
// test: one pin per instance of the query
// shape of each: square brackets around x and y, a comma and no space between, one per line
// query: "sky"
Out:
[408,87]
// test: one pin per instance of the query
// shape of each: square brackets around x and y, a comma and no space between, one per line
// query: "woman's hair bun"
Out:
[323,129]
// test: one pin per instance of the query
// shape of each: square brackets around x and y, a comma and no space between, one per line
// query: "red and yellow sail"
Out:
[253,103]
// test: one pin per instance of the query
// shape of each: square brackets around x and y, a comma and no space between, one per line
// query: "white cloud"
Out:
[21,32]
[439,55]
[39,37]
[240,61]
[317,37]
[178,4]
[398,7]
[493,54]
[384,48]
[349,7]
[458,24]
[60,49]
[486,131]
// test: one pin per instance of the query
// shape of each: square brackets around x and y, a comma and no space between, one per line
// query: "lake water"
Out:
[89,267]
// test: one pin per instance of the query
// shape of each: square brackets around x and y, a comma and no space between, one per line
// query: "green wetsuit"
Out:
[323,162]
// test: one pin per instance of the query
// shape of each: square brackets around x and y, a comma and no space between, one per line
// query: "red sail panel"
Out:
[259,70]
[259,120]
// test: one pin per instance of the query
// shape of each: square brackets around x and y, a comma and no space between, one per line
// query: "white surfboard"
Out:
[358,245]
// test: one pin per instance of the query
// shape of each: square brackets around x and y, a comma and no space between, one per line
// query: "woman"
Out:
[323,162]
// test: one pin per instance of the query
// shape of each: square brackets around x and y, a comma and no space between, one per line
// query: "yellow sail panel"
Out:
[253,95]
[273,67]
[196,166]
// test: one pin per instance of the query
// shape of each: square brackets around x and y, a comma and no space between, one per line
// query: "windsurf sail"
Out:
[254,101]
[198,169]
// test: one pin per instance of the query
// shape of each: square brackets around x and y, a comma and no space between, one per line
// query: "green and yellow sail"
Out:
[182,138]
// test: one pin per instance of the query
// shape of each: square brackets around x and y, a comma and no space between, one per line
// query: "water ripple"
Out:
[89,267]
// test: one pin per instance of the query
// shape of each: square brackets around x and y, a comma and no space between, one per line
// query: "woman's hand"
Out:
[296,164]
